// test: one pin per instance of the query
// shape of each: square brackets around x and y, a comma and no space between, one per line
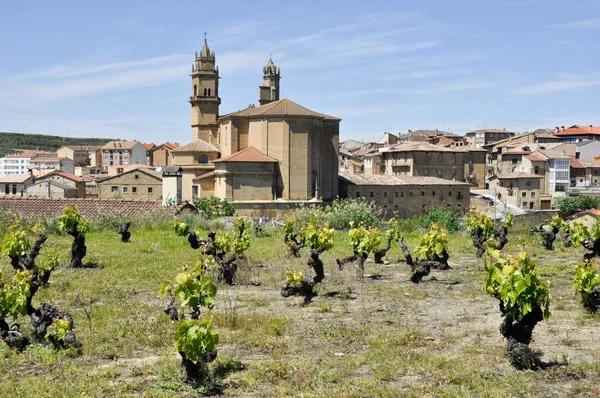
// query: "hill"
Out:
[18,142]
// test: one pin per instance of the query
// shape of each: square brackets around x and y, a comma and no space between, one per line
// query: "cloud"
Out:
[446,88]
[591,23]
[566,82]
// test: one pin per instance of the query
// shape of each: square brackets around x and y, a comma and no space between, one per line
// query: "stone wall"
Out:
[32,208]
[131,185]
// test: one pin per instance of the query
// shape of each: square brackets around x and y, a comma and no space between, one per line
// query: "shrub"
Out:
[341,213]
[571,204]
[214,207]
[446,218]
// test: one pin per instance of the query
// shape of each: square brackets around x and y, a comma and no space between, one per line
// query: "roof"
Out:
[16,178]
[517,175]
[171,169]
[121,145]
[154,174]
[168,145]
[284,107]
[493,131]
[249,154]
[137,166]
[28,154]
[81,147]
[47,159]
[150,146]
[54,183]
[63,174]
[576,164]
[536,157]
[361,179]
[578,130]
[198,146]
[417,146]
[588,163]
[553,155]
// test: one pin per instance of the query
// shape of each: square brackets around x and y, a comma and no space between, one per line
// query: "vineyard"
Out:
[297,308]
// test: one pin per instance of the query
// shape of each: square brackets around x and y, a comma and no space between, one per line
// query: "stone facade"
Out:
[138,184]
[519,189]
[205,99]
[406,196]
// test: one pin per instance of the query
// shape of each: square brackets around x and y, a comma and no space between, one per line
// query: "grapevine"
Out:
[587,286]
[432,252]
[364,241]
[72,223]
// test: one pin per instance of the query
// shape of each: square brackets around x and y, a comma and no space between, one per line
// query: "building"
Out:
[304,143]
[418,135]
[481,138]
[50,188]
[350,163]
[81,154]
[162,155]
[66,179]
[406,195]
[575,134]
[421,159]
[149,148]
[123,153]
[137,184]
[448,140]
[15,184]
[388,139]
[519,189]
[43,165]
[588,149]
[18,163]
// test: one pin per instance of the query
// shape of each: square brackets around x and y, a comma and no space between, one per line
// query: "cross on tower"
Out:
[204,36]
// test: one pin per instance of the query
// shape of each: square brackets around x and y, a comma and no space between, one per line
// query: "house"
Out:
[18,163]
[575,134]
[481,138]
[67,179]
[448,140]
[82,155]
[162,155]
[520,189]
[421,159]
[50,188]
[15,184]
[418,135]
[149,149]
[585,176]
[136,183]
[388,139]
[406,195]
[44,165]
[350,163]
[123,153]
[588,149]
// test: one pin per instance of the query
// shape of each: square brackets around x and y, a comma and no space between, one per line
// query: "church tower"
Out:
[269,90]
[205,99]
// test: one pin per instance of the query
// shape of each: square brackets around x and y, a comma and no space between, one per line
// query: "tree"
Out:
[432,252]
[524,301]
[318,239]
[195,339]
[50,323]
[364,241]
[485,234]
[72,223]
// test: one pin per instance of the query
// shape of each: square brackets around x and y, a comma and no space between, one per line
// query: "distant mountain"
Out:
[17,142]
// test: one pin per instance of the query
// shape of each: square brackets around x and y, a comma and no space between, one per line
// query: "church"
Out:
[277,151]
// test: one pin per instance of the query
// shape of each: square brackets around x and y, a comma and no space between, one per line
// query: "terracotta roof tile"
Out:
[576,164]
[283,107]
[579,130]
[198,146]
[120,145]
[361,179]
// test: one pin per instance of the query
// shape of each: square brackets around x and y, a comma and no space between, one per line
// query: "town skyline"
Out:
[124,72]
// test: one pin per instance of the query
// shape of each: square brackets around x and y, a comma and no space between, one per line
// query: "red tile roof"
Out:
[576,164]
[579,130]
[249,154]
[536,157]
[63,174]
[149,146]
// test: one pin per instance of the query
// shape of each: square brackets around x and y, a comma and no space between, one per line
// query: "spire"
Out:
[205,53]
[270,69]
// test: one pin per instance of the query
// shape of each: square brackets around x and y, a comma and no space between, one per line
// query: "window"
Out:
[150,191]
[524,194]
[125,189]
[133,189]
[137,177]
[536,169]
[205,92]
[459,195]
[7,189]
[426,172]
[209,92]
[422,193]
[195,90]
[402,194]
[440,173]
[371,194]
[432,193]
[14,189]
[410,193]
[449,193]
[357,194]
[385,194]
[114,189]
[514,161]
[203,159]
[533,194]
[396,194]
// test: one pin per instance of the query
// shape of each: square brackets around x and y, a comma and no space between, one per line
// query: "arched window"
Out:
[195,90]
[203,159]
[205,92]
[209,92]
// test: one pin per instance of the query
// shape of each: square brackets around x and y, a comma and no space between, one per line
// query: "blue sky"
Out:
[120,69]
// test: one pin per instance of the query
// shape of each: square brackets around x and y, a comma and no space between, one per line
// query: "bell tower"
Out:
[205,99]
[269,90]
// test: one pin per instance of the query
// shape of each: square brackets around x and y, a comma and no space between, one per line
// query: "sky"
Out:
[120,69]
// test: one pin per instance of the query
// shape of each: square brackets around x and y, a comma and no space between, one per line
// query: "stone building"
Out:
[481,138]
[421,159]
[81,154]
[303,143]
[137,184]
[50,188]
[162,155]
[519,189]
[406,195]
[66,180]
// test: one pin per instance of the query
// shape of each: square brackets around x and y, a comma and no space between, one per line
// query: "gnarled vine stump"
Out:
[422,268]
[357,258]
[518,334]
[548,235]
[379,254]
[306,286]
[293,244]
[124,232]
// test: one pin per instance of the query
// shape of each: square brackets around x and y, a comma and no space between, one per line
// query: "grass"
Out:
[381,337]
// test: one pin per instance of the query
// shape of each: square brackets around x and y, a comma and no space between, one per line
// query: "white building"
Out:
[123,153]
[18,163]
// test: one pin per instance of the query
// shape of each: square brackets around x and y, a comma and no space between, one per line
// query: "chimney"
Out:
[591,127]
[557,129]
[562,128]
